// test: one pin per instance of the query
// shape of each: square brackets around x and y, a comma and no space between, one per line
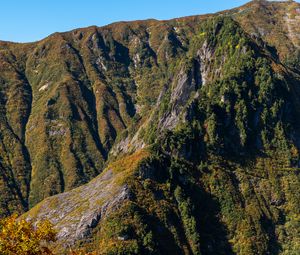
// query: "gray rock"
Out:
[75,213]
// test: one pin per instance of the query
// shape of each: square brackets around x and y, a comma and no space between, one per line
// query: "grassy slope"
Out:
[225,183]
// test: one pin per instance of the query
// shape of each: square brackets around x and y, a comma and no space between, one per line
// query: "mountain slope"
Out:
[193,123]
[276,23]
[75,92]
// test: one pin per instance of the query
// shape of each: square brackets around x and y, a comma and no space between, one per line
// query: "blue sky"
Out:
[31,20]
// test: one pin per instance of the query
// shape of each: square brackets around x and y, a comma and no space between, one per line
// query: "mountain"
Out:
[158,137]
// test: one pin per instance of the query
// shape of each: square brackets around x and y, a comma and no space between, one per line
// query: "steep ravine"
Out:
[157,137]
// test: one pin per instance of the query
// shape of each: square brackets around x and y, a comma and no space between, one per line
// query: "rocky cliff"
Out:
[158,137]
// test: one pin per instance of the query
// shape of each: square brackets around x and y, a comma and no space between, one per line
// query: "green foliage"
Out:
[293,61]
[125,232]
[225,180]
[186,211]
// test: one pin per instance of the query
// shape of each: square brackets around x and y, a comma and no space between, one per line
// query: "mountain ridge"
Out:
[191,124]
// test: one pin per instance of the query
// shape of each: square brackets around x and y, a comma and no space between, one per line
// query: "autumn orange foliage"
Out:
[22,237]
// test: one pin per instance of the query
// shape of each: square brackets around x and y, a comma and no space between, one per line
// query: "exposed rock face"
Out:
[204,54]
[184,86]
[273,22]
[75,213]
[99,83]
[293,29]
[158,137]
[77,92]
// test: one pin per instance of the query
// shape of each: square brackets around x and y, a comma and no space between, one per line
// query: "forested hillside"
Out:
[158,137]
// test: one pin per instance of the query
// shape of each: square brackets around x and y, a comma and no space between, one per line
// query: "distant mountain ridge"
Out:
[158,137]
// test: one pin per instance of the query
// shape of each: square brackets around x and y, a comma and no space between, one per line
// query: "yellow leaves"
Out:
[294,151]
[201,35]
[21,237]
[45,231]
